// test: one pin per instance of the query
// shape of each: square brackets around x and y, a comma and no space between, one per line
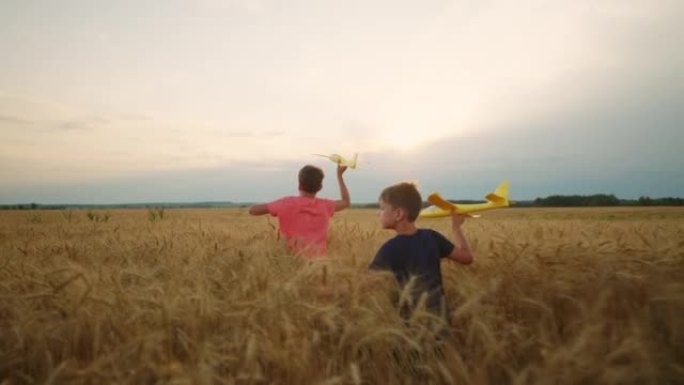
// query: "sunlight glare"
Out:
[404,141]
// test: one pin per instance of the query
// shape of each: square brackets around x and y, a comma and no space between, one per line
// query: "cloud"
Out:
[80,125]
[250,6]
[250,181]
[250,133]
[625,141]
[131,117]
[14,120]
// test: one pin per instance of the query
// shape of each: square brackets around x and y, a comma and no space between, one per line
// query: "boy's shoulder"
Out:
[425,231]
[299,198]
[281,200]
[421,237]
[419,234]
[297,202]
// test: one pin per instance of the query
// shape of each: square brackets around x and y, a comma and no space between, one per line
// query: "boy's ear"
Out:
[399,214]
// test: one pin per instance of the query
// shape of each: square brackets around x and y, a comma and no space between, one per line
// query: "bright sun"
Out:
[402,141]
[405,137]
[411,130]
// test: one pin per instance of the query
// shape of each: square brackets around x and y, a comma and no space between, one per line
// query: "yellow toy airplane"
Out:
[351,163]
[443,208]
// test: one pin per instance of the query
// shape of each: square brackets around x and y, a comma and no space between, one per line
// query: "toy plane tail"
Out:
[352,163]
[500,195]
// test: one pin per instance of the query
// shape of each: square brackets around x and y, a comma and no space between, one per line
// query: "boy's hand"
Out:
[341,169]
[345,200]
[457,220]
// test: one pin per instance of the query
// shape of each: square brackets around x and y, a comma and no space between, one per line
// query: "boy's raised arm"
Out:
[259,209]
[462,252]
[345,200]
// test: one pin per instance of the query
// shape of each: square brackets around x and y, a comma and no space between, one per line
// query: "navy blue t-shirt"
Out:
[416,255]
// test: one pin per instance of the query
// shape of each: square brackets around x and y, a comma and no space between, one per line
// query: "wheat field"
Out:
[555,296]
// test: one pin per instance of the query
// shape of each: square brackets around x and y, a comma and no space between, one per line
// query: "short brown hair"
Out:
[310,179]
[405,196]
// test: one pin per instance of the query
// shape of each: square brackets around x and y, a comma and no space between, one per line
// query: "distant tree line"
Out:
[668,201]
[150,205]
[21,206]
[596,200]
[601,200]
[577,200]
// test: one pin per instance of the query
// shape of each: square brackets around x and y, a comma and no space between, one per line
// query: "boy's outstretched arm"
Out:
[345,200]
[461,252]
[259,209]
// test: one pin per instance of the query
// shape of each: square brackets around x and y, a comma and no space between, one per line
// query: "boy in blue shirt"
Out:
[416,253]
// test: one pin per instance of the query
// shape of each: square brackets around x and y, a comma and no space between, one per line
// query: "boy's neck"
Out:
[405,228]
[306,194]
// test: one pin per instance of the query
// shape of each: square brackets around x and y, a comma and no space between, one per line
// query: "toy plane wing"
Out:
[339,159]
[444,208]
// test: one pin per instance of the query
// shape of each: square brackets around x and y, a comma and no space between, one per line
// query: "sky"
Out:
[224,100]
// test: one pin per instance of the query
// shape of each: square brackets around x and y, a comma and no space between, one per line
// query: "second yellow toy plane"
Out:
[339,159]
[444,208]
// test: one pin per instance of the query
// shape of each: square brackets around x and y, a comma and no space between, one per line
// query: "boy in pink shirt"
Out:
[304,219]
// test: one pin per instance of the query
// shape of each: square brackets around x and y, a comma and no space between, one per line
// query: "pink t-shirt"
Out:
[304,222]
